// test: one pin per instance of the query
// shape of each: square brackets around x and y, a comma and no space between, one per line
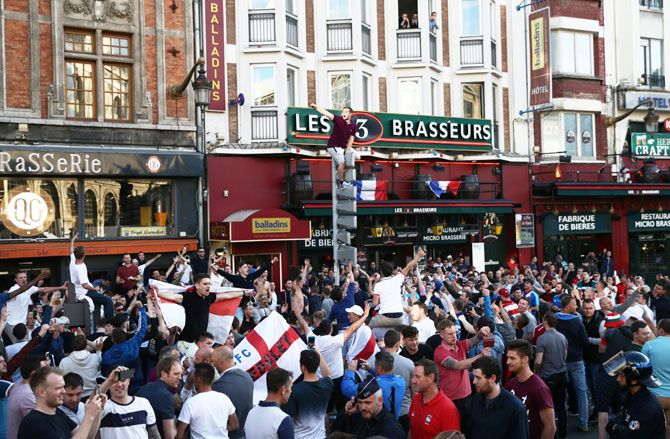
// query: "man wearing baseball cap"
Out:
[362,343]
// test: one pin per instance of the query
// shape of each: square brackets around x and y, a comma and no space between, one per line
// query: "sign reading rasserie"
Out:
[649,222]
[387,130]
[576,223]
[215,44]
[540,60]
[651,145]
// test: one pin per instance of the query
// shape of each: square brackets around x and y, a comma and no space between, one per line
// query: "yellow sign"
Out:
[537,50]
[271,225]
[137,232]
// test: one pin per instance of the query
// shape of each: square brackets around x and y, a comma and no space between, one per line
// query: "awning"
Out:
[266,225]
[395,207]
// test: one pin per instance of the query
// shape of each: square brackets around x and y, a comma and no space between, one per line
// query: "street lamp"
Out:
[202,88]
[651,121]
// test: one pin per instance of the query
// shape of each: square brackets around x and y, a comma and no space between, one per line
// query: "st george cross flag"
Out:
[370,190]
[440,187]
[220,313]
[271,344]
[362,345]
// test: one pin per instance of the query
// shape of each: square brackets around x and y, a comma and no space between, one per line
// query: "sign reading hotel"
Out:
[271,225]
[576,223]
[633,98]
[649,222]
[215,44]
[389,130]
[650,145]
[540,64]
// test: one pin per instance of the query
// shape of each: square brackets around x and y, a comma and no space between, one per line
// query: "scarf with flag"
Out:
[221,313]
[362,345]
[440,187]
[370,190]
[271,344]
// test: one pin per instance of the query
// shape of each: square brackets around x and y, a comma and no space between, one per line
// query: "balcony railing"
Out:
[263,124]
[472,51]
[494,54]
[655,81]
[432,39]
[261,27]
[409,44]
[339,37]
[366,41]
[291,30]
[652,4]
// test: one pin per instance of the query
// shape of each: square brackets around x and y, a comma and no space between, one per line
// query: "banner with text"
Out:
[216,46]
[576,223]
[649,222]
[540,58]
[650,145]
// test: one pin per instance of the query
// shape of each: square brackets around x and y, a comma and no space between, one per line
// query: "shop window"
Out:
[264,85]
[569,132]
[340,90]
[82,87]
[409,94]
[473,101]
[471,18]
[572,53]
[90,215]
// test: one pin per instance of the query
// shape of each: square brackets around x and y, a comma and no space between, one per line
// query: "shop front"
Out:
[576,235]
[125,201]
[649,241]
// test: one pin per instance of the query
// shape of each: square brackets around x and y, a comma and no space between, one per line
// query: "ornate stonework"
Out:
[122,10]
[73,7]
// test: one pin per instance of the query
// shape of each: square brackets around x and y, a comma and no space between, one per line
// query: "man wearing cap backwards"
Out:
[642,415]
[365,416]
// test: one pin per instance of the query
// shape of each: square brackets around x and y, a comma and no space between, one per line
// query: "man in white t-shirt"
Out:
[17,308]
[387,293]
[209,413]
[420,320]
[640,310]
[83,288]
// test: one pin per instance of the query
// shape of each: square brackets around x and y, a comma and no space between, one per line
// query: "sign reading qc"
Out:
[27,213]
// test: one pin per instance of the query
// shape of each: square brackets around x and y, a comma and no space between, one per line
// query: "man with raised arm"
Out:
[341,138]
[83,288]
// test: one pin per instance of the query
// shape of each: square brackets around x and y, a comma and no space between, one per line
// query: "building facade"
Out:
[91,143]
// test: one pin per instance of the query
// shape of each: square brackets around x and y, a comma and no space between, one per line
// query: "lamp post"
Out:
[651,121]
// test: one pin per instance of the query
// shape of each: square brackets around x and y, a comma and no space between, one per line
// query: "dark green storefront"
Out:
[648,243]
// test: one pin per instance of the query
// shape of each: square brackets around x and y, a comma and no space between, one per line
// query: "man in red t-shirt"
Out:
[341,138]
[431,411]
[127,274]
[531,390]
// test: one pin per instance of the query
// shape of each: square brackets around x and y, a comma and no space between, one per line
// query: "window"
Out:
[471,22]
[264,85]
[366,80]
[261,4]
[652,4]
[290,87]
[433,97]
[364,12]
[338,9]
[81,85]
[473,101]
[651,54]
[289,6]
[409,95]
[90,215]
[569,132]
[496,116]
[340,90]
[572,53]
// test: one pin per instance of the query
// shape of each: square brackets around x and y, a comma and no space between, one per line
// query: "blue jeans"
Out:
[104,301]
[592,370]
[577,375]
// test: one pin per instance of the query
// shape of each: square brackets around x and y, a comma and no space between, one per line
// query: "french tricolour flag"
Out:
[370,190]
[220,313]
[440,187]
[271,344]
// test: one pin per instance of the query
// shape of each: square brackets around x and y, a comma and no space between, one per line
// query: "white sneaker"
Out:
[346,184]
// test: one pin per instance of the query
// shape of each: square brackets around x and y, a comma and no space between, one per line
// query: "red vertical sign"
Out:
[215,46]
[540,58]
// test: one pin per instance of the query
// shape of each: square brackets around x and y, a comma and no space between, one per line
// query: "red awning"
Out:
[266,225]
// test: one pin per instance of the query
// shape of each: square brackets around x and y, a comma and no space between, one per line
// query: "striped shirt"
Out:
[127,421]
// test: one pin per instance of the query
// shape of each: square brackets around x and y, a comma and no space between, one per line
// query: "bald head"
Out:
[222,358]
[203,355]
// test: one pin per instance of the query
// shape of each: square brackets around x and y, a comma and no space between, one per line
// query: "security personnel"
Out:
[641,416]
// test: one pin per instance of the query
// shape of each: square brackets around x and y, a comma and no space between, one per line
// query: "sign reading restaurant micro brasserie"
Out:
[649,222]
[388,130]
[576,223]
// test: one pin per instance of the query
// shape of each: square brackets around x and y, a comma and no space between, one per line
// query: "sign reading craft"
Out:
[576,223]
[266,225]
[389,130]
[650,145]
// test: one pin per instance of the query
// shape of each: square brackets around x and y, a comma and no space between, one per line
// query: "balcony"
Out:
[409,44]
[291,30]
[264,124]
[432,39]
[262,28]
[338,35]
[472,51]
[366,39]
[652,4]
[653,81]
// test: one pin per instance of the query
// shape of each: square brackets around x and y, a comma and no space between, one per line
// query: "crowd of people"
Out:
[430,349]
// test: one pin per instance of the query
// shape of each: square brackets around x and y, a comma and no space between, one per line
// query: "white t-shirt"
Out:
[78,277]
[638,311]
[207,414]
[17,308]
[186,275]
[426,329]
[127,421]
[390,297]
[331,348]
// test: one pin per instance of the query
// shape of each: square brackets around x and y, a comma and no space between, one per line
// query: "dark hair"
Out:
[165,365]
[489,367]
[423,307]
[429,368]
[391,338]
[204,373]
[486,322]
[30,364]
[526,299]
[73,380]
[409,332]
[636,326]
[522,347]
[39,377]
[550,319]
[458,304]
[351,110]
[444,324]
[386,268]
[277,378]
[585,301]
[324,328]
[384,360]
[522,320]
[79,252]
[664,324]
[79,343]
[118,336]
[20,331]
[199,277]
[203,336]
[166,351]
[310,360]
[336,293]
[566,300]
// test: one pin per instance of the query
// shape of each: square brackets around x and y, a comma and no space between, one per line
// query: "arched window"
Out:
[111,217]
[55,227]
[73,209]
[90,214]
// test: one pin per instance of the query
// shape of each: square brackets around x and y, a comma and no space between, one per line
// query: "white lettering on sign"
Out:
[653,221]
[47,163]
